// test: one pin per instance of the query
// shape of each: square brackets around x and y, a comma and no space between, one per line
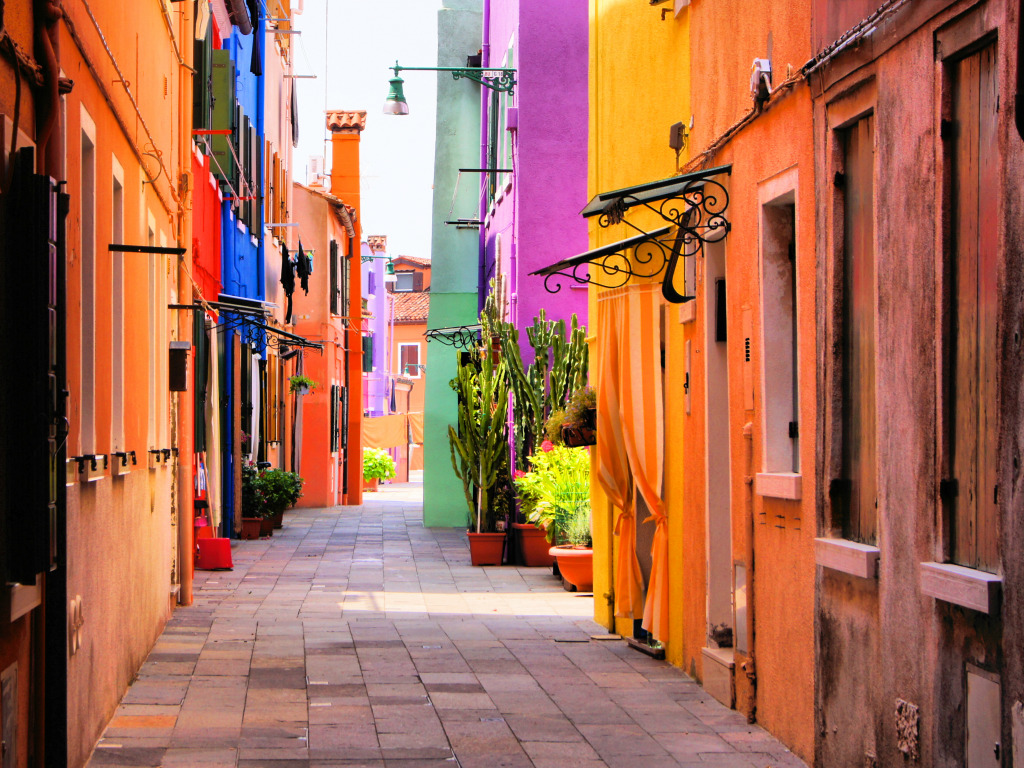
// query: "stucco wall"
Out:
[453,295]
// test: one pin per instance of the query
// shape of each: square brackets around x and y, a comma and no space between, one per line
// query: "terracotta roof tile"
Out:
[412,260]
[348,121]
[412,307]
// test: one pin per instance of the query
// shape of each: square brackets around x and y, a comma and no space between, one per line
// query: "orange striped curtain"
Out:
[631,447]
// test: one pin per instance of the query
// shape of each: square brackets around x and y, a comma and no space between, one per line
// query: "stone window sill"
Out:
[966,587]
[778,485]
[847,556]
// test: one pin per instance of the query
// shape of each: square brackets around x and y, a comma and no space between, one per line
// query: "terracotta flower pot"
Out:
[267,526]
[533,545]
[251,527]
[486,548]
[370,485]
[278,519]
[576,564]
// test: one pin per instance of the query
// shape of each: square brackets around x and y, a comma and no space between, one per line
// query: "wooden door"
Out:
[971,395]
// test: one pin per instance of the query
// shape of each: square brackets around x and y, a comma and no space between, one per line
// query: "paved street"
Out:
[355,637]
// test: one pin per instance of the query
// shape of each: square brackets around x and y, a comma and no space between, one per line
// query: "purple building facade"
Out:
[534,146]
[376,327]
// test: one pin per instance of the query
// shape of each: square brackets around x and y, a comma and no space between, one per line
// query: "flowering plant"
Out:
[555,494]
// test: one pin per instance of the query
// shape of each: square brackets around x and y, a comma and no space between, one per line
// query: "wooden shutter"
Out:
[858,502]
[335,426]
[335,277]
[223,85]
[971,398]
[345,308]
[368,353]
[417,281]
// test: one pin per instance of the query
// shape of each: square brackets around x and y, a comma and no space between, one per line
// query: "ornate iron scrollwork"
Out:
[458,337]
[693,205]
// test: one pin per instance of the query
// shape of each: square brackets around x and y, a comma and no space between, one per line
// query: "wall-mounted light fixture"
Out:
[502,80]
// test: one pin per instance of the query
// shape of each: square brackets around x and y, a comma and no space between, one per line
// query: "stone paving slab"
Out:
[357,638]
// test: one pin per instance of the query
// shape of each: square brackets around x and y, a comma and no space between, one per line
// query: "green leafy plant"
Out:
[553,427]
[281,489]
[555,493]
[377,464]
[266,493]
[299,383]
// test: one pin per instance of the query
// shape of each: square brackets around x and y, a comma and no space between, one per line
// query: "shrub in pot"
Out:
[377,465]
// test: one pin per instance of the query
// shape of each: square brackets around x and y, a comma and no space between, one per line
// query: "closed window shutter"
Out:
[368,354]
[335,288]
[417,281]
[335,429]
[223,85]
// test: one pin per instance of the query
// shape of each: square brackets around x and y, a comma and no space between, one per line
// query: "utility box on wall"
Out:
[177,366]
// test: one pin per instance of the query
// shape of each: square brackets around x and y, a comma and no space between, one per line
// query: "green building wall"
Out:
[454,253]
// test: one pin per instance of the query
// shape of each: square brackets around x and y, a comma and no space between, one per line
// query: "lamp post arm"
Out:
[503,81]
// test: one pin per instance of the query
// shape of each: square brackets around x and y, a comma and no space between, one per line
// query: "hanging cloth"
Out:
[612,459]
[212,415]
[304,268]
[288,281]
[256,65]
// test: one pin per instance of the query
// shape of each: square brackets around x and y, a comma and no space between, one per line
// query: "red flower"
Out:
[546,446]
[518,473]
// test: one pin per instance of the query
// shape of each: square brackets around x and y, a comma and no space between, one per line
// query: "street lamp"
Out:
[503,80]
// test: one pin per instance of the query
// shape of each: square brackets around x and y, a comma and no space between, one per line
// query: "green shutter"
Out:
[223,114]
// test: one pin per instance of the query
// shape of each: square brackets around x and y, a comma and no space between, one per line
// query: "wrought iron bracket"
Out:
[694,207]
[457,336]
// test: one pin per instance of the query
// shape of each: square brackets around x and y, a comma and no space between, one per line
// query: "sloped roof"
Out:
[412,307]
[423,263]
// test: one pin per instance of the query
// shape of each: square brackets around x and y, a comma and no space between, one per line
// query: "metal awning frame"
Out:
[457,336]
[250,324]
[694,207]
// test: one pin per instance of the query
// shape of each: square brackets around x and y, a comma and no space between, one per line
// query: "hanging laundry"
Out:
[304,269]
[256,64]
[287,280]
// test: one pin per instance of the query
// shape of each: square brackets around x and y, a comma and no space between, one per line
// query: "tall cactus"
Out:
[479,446]
[558,369]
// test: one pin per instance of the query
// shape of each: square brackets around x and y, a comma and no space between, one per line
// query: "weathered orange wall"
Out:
[779,140]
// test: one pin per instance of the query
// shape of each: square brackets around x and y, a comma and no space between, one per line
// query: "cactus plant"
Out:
[559,368]
[479,445]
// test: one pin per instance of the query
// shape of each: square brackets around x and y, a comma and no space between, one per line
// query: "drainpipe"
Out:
[185,428]
[485,60]
[1018,99]
[748,666]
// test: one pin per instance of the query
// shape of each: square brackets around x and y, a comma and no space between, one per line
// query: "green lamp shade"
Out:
[395,103]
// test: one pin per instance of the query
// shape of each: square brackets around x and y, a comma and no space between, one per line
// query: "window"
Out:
[969,490]
[409,360]
[854,494]
[87,428]
[335,279]
[368,353]
[779,326]
[405,282]
[117,313]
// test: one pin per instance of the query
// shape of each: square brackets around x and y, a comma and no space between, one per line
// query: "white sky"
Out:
[364,38]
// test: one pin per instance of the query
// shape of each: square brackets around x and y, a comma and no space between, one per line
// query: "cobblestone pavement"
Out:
[356,637]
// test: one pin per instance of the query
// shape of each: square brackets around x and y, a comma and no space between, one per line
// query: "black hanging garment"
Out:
[304,267]
[256,64]
[288,281]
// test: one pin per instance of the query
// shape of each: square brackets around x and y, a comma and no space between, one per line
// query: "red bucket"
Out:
[214,554]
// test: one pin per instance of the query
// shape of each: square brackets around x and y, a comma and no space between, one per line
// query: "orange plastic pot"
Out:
[486,548]
[576,564]
[533,545]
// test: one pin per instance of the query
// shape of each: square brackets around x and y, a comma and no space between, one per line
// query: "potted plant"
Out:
[579,425]
[576,556]
[253,503]
[281,489]
[479,450]
[377,465]
[301,385]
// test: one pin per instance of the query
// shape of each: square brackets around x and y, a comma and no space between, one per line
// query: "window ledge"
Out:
[967,587]
[778,485]
[847,556]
